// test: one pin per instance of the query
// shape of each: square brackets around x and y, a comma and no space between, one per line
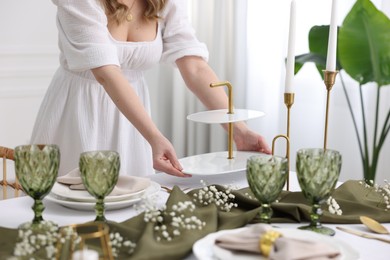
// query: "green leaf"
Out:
[318,46]
[300,60]
[364,44]
[318,40]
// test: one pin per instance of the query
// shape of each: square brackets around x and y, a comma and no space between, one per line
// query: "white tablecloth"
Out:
[15,211]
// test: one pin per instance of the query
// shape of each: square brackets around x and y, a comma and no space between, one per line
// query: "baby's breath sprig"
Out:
[118,243]
[333,206]
[31,243]
[382,190]
[170,222]
[246,194]
[42,243]
[210,194]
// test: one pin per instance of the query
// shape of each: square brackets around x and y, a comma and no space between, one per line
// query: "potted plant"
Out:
[364,54]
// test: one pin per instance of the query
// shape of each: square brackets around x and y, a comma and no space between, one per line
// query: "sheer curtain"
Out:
[221,25]
[247,40]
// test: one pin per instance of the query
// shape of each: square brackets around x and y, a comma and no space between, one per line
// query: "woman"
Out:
[98,98]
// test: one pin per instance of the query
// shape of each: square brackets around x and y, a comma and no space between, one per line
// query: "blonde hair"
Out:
[118,11]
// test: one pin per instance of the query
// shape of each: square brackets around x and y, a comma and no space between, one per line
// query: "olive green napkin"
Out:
[178,248]
[352,197]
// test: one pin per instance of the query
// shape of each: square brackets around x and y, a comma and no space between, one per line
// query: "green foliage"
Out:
[363,52]
[364,49]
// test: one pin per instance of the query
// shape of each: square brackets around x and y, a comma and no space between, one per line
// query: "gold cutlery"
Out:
[362,234]
[374,225]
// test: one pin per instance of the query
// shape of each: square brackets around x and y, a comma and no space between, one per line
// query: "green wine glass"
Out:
[318,171]
[99,173]
[266,177]
[36,167]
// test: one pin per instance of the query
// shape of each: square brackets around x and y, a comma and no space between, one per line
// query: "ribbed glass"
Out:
[266,177]
[99,173]
[318,171]
[36,167]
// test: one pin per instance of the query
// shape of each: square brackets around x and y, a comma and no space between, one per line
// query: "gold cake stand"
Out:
[226,161]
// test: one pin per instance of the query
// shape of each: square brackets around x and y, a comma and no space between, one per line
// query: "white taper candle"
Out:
[291,51]
[85,254]
[332,41]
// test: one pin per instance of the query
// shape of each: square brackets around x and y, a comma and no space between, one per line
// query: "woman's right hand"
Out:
[128,102]
[165,159]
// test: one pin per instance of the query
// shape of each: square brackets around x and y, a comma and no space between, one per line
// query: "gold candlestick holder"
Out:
[230,111]
[85,232]
[287,155]
[288,101]
[329,80]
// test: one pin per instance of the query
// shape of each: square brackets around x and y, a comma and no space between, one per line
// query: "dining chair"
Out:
[8,154]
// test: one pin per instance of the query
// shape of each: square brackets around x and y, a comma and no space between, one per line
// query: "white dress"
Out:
[76,113]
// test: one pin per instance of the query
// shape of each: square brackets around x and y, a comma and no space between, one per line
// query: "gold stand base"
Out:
[230,111]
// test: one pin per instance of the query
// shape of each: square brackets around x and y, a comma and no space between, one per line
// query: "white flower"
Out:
[333,206]
[210,194]
[382,190]
[30,243]
[117,242]
[171,221]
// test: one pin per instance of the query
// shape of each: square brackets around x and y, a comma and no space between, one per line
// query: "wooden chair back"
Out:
[8,154]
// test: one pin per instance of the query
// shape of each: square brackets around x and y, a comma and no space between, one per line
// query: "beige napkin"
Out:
[284,248]
[125,185]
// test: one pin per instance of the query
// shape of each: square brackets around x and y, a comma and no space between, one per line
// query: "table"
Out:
[15,211]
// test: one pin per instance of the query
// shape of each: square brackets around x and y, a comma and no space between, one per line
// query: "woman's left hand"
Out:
[247,140]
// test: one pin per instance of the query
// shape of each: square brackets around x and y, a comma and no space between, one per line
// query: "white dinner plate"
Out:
[153,189]
[205,248]
[221,116]
[216,163]
[62,191]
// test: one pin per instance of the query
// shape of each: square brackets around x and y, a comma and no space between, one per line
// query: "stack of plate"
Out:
[82,200]
[216,163]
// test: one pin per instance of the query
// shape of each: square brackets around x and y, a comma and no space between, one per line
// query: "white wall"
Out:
[28,59]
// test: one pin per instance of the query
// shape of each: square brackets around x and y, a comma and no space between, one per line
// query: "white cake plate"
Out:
[221,116]
[216,163]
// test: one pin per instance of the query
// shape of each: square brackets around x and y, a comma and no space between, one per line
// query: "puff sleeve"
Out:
[179,38]
[84,39]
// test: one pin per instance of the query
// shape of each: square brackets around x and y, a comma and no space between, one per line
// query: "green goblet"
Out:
[36,167]
[266,177]
[99,173]
[318,171]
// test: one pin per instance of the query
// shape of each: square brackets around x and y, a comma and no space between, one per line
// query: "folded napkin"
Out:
[125,185]
[284,247]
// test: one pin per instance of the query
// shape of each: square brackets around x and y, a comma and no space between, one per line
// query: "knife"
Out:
[362,234]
